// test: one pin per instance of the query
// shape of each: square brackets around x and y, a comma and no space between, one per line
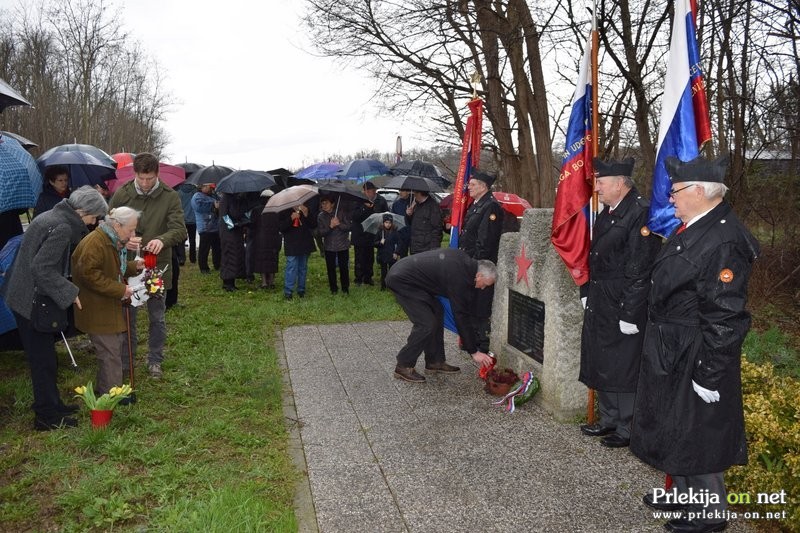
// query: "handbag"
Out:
[46,315]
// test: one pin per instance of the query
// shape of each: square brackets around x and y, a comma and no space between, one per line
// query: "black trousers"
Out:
[482,317]
[171,296]
[209,241]
[364,259]
[427,330]
[332,259]
[41,353]
[191,229]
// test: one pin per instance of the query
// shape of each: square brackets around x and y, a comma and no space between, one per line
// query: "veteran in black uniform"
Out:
[689,420]
[480,238]
[416,281]
[620,260]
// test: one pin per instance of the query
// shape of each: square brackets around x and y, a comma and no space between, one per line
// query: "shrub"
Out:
[772,420]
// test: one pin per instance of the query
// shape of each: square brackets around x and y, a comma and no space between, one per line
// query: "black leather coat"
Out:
[696,325]
[483,225]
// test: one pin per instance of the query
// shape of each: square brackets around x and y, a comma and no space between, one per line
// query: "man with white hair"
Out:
[688,418]
[416,281]
[615,300]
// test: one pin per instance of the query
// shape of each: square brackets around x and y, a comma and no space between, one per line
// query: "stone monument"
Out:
[537,316]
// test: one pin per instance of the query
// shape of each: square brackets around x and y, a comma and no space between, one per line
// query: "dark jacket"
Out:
[162,218]
[620,260]
[358,236]
[297,240]
[43,258]
[399,206]
[448,272]
[334,239]
[266,243]
[391,245]
[426,226]
[483,225]
[47,199]
[696,324]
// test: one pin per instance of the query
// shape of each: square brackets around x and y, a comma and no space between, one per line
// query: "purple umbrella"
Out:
[319,170]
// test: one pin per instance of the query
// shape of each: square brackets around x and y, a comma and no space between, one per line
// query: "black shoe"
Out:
[684,525]
[287,296]
[648,500]
[66,409]
[42,424]
[301,294]
[408,374]
[205,272]
[615,441]
[442,367]
[128,400]
[228,288]
[369,282]
[596,430]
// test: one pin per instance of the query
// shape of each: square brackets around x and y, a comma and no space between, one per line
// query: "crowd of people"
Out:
[663,322]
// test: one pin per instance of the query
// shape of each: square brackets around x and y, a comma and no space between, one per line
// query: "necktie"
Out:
[681,228]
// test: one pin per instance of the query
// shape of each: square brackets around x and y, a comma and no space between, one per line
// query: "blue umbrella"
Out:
[319,170]
[362,169]
[20,179]
[87,164]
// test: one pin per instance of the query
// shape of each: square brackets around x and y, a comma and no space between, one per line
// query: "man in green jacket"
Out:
[161,227]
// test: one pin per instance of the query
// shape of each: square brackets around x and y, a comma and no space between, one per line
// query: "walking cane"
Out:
[130,351]
[69,351]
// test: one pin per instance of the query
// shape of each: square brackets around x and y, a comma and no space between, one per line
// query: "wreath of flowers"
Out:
[154,282]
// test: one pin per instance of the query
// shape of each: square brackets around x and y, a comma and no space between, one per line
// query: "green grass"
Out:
[204,449]
[773,346]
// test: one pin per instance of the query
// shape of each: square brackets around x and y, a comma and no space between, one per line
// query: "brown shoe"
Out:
[442,367]
[408,374]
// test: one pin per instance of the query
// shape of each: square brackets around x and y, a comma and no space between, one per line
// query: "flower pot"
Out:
[496,388]
[101,417]
[499,382]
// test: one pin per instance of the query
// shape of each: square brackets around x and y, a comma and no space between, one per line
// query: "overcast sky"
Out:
[248,94]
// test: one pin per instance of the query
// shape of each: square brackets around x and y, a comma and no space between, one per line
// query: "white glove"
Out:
[708,396]
[627,328]
[583,302]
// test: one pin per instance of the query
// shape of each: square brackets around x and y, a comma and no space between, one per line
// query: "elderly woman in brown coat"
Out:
[99,268]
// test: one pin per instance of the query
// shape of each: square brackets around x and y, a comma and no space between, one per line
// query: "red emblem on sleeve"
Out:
[726,275]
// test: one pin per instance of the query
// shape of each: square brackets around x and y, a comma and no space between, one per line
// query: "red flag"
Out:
[470,159]
[570,232]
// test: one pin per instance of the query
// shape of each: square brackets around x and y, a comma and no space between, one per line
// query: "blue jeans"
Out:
[296,270]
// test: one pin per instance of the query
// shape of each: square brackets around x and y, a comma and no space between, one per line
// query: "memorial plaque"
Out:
[526,325]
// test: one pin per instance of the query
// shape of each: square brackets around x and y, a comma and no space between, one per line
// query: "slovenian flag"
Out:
[570,232]
[470,159]
[685,125]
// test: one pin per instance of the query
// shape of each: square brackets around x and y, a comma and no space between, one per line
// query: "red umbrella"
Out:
[169,174]
[509,201]
[512,203]
[123,158]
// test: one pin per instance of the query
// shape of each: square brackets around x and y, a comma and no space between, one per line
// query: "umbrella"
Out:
[512,203]
[361,169]
[9,97]
[245,181]
[417,168]
[339,187]
[123,158]
[319,170]
[373,222]
[290,197]
[169,174]
[20,179]
[20,139]
[414,183]
[190,168]
[87,164]
[210,174]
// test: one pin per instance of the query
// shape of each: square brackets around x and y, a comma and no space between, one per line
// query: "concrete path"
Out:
[385,455]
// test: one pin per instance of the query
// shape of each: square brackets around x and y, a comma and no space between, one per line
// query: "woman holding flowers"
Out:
[99,269]
[41,266]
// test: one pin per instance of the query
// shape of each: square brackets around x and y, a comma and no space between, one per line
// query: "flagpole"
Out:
[595,144]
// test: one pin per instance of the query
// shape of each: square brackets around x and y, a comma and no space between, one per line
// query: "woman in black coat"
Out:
[236,215]
[266,244]
[55,189]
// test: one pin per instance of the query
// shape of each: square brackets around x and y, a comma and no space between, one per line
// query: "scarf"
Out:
[123,253]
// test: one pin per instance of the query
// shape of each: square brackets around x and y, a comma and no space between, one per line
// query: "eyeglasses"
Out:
[673,192]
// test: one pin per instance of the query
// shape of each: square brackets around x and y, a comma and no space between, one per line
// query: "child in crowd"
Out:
[388,243]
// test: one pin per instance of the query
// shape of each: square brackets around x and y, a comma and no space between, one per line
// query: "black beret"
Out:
[488,179]
[369,186]
[698,169]
[613,168]
[388,216]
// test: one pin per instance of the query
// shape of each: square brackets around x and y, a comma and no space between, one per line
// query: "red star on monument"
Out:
[523,264]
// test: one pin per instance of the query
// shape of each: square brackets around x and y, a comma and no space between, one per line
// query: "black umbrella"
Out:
[190,168]
[339,187]
[87,164]
[413,183]
[245,181]
[210,174]
[9,97]
[416,167]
